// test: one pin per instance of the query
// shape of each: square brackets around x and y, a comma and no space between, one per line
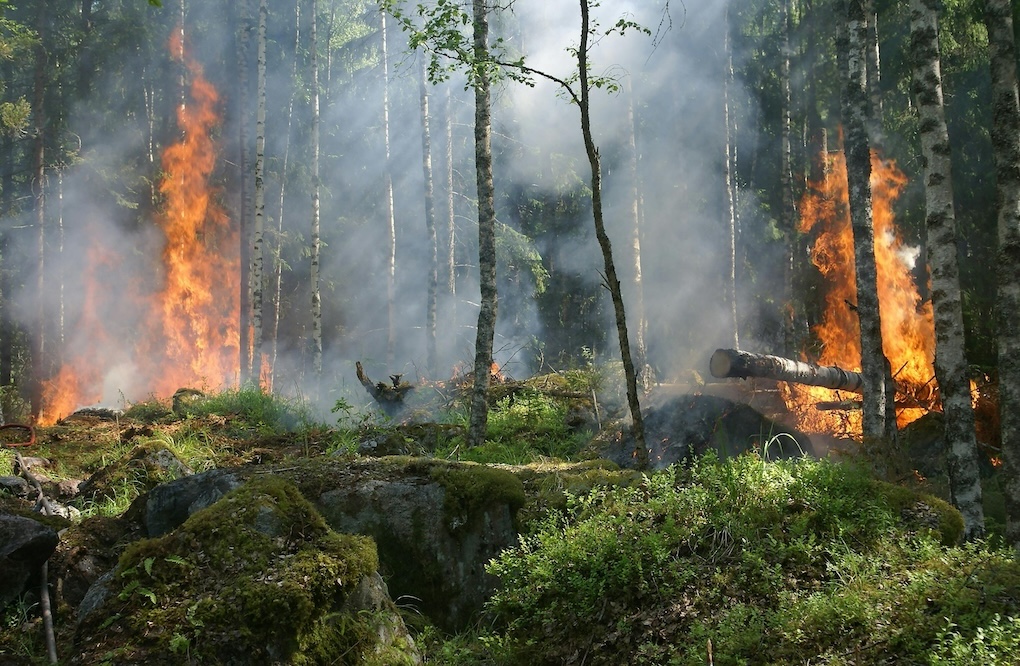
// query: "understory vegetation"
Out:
[737,560]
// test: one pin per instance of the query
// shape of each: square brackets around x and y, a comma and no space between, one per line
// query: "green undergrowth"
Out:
[777,563]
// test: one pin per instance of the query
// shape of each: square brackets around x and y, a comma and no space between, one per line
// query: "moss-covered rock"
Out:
[256,578]
[436,525]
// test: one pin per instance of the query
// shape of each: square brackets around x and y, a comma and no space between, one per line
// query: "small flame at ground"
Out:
[190,332]
[908,332]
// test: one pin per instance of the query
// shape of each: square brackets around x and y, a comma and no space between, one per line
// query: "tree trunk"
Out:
[486,329]
[391,226]
[874,62]
[40,82]
[316,185]
[1006,145]
[637,422]
[950,355]
[788,209]
[257,262]
[736,363]
[730,197]
[878,427]
[278,245]
[451,220]
[432,279]
[244,215]
[641,324]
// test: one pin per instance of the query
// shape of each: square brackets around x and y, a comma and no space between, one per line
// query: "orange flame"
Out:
[190,336]
[908,335]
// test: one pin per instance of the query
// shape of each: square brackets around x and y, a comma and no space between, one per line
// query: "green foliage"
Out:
[528,421]
[256,409]
[775,563]
[998,642]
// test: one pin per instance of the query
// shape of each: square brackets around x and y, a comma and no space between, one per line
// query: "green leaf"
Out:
[154,3]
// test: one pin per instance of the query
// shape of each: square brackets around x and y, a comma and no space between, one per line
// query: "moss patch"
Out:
[256,577]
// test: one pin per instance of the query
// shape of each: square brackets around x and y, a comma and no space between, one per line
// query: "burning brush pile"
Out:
[821,391]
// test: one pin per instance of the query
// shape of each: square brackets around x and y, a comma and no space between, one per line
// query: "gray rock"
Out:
[170,504]
[25,544]
[14,485]
[430,555]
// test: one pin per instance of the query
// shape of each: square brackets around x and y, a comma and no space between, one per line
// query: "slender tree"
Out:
[391,224]
[633,401]
[950,355]
[635,214]
[247,205]
[40,83]
[315,241]
[730,195]
[788,209]
[450,245]
[258,232]
[282,209]
[486,329]
[874,366]
[432,280]
[1006,145]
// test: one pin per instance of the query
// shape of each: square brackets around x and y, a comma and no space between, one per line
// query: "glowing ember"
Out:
[907,324]
[189,336]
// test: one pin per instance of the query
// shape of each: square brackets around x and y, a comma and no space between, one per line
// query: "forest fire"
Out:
[907,323]
[188,335]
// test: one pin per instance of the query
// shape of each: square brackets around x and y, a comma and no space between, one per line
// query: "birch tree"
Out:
[391,225]
[260,201]
[950,356]
[281,210]
[788,209]
[876,428]
[247,205]
[1006,144]
[448,48]
[315,240]
[730,195]
[432,279]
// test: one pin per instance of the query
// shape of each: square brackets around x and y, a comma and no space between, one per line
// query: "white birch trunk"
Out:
[950,356]
[876,429]
[432,286]
[260,203]
[315,241]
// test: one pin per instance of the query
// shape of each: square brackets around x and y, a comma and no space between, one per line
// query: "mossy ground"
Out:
[241,579]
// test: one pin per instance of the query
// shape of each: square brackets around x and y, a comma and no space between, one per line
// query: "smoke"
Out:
[109,261]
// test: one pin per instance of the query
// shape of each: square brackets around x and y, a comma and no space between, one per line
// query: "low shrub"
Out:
[774,563]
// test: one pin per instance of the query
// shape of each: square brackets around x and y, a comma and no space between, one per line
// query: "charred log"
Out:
[389,396]
[736,363]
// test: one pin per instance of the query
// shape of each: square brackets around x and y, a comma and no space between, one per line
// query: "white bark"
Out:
[260,202]
[950,356]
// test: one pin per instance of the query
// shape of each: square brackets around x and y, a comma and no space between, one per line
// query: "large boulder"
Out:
[25,545]
[436,524]
[681,427]
[256,578]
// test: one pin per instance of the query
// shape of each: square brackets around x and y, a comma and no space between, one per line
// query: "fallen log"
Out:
[736,363]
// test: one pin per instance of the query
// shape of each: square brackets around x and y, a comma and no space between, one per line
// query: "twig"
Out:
[47,614]
[44,585]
